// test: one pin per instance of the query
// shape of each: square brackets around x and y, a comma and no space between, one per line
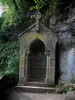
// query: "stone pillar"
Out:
[26,66]
[21,66]
[50,69]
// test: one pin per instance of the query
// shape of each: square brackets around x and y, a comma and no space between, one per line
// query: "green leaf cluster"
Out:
[65,89]
[40,5]
[9,57]
[17,11]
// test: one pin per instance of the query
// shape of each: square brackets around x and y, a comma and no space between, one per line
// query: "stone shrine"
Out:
[37,54]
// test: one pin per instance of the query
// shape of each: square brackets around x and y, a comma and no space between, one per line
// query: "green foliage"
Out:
[15,11]
[10,17]
[19,11]
[65,89]
[40,5]
[73,80]
[9,57]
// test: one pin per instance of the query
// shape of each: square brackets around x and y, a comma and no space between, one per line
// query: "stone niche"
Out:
[37,55]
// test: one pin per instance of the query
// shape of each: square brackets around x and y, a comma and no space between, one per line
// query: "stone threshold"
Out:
[35,89]
[32,83]
[40,84]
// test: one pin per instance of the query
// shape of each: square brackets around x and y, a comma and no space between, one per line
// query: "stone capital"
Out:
[27,52]
[47,52]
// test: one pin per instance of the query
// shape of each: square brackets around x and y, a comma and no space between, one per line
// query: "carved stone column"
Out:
[50,68]
[47,67]
[26,66]
[21,65]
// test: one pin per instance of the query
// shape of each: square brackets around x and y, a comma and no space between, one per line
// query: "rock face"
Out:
[67,62]
[65,30]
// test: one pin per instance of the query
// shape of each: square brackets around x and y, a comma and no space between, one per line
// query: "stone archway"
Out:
[37,61]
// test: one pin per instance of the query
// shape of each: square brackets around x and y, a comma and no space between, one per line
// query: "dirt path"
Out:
[12,95]
[36,96]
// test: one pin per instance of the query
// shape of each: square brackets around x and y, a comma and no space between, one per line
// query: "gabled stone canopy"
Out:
[49,39]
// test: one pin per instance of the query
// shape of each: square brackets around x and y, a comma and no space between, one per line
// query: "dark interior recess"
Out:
[37,61]
[37,46]
[57,63]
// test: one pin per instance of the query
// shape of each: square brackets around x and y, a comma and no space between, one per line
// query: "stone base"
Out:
[49,82]
[23,79]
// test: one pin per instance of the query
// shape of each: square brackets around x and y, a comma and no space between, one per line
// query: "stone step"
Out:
[40,84]
[34,89]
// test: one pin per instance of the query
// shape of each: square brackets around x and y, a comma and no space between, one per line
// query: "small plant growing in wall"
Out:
[73,80]
[65,89]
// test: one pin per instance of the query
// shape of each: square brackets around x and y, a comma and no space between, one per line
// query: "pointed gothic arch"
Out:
[37,61]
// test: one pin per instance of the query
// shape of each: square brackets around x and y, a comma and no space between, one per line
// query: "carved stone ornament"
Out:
[37,16]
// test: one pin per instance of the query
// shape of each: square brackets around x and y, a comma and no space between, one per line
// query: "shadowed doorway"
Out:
[37,61]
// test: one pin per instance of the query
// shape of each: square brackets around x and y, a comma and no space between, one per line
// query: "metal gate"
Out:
[37,67]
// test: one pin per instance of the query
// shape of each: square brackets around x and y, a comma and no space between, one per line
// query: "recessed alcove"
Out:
[37,61]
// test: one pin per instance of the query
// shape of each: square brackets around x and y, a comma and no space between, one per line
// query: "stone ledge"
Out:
[34,89]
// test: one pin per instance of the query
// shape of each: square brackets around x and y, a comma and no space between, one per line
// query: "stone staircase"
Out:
[35,87]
